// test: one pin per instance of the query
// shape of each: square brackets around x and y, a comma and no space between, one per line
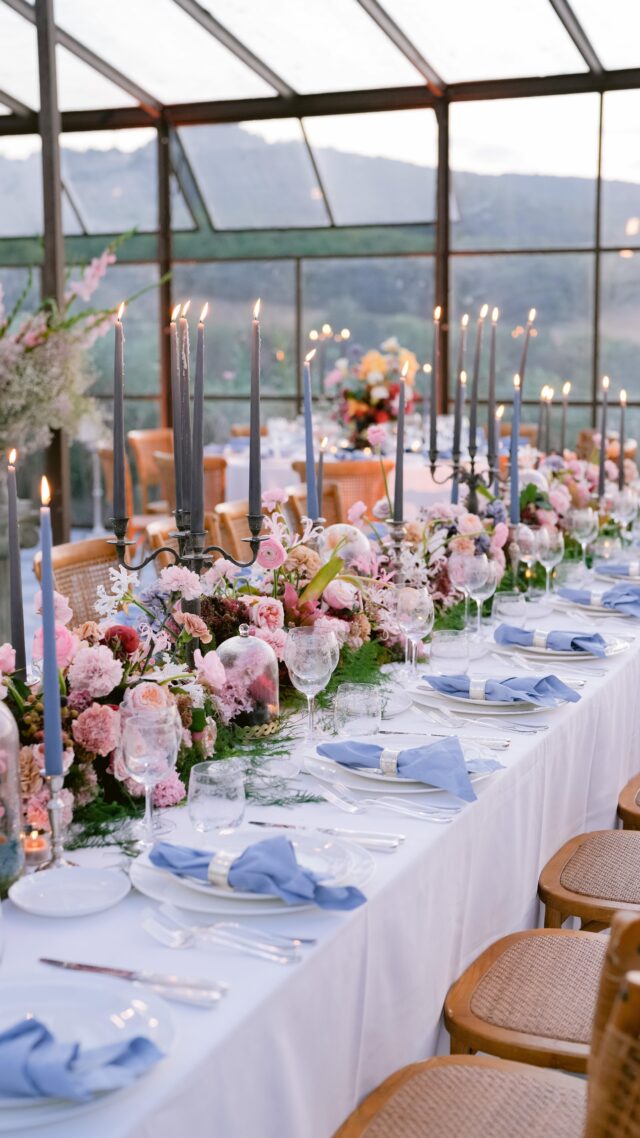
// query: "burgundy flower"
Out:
[128,638]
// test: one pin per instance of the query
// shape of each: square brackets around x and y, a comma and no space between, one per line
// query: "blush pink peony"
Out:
[61,607]
[7,658]
[376,434]
[267,612]
[67,645]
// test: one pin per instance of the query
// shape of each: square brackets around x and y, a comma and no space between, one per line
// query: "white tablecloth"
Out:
[291,1051]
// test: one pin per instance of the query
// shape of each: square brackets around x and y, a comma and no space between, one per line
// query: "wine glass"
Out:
[415,615]
[150,741]
[310,658]
[468,571]
[550,552]
[624,509]
[526,540]
[584,526]
[480,591]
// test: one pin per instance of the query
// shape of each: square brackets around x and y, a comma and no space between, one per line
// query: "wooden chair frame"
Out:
[561,903]
[296,495]
[629,804]
[91,552]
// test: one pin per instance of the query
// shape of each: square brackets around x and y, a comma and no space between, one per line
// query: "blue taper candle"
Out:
[15,570]
[197,442]
[50,682]
[515,438]
[398,497]
[255,470]
[603,435]
[310,463]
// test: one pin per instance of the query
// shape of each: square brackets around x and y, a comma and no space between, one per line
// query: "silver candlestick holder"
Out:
[396,529]
[55,810]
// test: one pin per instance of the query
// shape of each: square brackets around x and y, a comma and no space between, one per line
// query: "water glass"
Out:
[510,607]
[550,551]
[357,709]
[450,652]
[217,795]
[311,657]
[150,742]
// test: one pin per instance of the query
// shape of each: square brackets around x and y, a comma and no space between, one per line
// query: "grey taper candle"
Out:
[197,445]
[623,411]
[398,497]
[525,347]
[255,486]
[566,388]
[119,490]
[175,407]
[475,382]
[15,571]
[603,435]
[185,407]
[435,379]
[492,442]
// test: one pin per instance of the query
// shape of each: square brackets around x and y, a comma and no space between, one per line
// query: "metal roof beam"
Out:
[14,105]
[384,21]
[204,18]
[574,29]
[153,106]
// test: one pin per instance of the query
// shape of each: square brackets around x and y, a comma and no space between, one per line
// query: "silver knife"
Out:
[383,843]
[204,993]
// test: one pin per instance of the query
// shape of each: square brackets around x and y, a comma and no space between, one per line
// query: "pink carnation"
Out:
[500,536]
[95,670]
[97,729]
[61,607]
[179,579]
[376,434]
[267,612]
[7,658]
[209,669]
[221,570]
[272,554]
[276,638]
[271,498]
[169,792]
[66,645]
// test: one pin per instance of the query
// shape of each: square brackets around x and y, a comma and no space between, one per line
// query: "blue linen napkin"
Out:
[544,691]
[621,598]
[269,867]
[558,641]
[440,764]
[33,1064]
[618,568]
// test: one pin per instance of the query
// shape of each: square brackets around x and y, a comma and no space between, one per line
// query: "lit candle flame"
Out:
[309,356]
[327,330]
[121,310]
[495,314]
[483,311]
[516,382]
[203,314]
[324,442]
[500,412]
[623,400]
[185,309]
[175,314]
[437,313]
[405,368]
[605,382]
[550,394]
[45,492]
[566,388]
[313,335]
[532,315]
[345,333]
[465,320]
[13,454]
[426,369]
[256,310]
[463,378]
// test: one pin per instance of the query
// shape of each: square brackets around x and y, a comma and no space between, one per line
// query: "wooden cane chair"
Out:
[137,522]
[481,1097]
[166,471]
[528,431]
[296,504]
[629,804]
[144,444]
[243,430]
[78,568]
[359,481]
[592,877]
[160,534]
[215,480]
[232,519]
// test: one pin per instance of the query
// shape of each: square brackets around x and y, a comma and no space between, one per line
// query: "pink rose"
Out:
[376,434]
[7,658]
[499,537]
[267,612]
[462,545]
[547,517]
[147,696]
[61,607]
[582,496]
[341,595]
[560,499]
[470,525]
[272,554]
[272,498]
[356,512]
[66,646]
[209,669]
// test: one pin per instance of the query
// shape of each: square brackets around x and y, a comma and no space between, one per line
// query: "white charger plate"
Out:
[598,610]
[612,648]
[617,577]
[481,707]
[75,892]
[524,704]
[395,704]
[79,1009]
[395,785]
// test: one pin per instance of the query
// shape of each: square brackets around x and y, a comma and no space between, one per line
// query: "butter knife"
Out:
[382,843]
[203,993]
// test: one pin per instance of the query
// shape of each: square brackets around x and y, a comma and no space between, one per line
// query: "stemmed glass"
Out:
[150,741]
[624,510]
[550,552]
[468,571]
[311,657]
[414,614]
[481,591]
[526,540]
[584,526]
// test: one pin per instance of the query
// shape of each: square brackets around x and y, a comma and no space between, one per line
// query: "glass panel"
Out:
[181,64]
[142,349]
[560,287]
[377,168]
[256,175]
[621,169]
[231,289]
[81,87]
[613,28]
[13,283]
[19,57]
[373,298]
[497,39]
[20,186]
[524,172]
[112,176]
[221,414]
[318,45]
[619,329]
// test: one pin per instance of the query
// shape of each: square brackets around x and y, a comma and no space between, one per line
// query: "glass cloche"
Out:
[251,668]
[11,850]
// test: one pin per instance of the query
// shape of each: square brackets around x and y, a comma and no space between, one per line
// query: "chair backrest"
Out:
[622,955]
[105,454]
[215,480]
[165,468]
[613,1105]
[296,504]
[78,568]
[585,446]
[359,481]
[528,431]
[242,431]
[212,526]
[232,518]
[158,535]
[143,445]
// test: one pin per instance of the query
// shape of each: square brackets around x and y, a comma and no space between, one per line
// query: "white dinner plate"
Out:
[598,610]
[613,647]
[79,1009]
[617,577]
[523,705]
[73,892]
[481,707]
[165,887]
[395,703]
[394,784]
[326,856]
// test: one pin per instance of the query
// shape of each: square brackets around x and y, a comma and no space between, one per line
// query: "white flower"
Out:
[391,345]
[379,392]
[195,692]
[123,583]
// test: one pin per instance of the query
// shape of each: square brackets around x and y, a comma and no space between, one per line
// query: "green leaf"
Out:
[318,584]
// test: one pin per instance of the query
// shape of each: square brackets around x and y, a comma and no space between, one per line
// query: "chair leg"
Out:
[459,1048]
[553,918]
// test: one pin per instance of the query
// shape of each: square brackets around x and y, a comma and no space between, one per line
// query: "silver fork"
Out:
[443,715]
[174,937]
[338,794]
[526,666]
[250,931]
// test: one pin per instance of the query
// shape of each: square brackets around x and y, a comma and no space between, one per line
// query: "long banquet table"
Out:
[291,1050]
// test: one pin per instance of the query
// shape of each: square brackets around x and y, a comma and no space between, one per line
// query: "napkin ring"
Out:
[389,761]
[540,638]
[218,871]
[634,568]
[477,689]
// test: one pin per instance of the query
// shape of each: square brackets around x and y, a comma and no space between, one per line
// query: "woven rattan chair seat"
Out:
[606,865]
[545,986]
[475,1102]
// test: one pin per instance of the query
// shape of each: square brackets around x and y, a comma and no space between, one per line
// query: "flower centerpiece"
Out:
[369,388]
